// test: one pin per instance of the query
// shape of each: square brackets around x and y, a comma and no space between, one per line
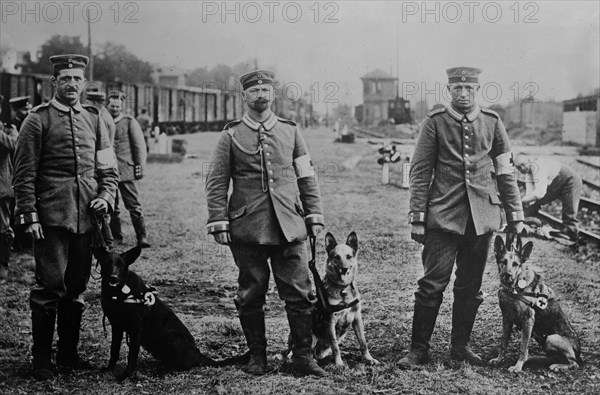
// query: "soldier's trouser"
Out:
[566,186]
[128,192]
[289,263]
[441,250]
[63,262]
[6,232]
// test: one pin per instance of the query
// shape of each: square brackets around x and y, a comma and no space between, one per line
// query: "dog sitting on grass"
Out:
[531,305]
[330,328]
[132,308]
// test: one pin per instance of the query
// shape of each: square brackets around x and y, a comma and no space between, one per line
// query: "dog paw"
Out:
[557,367]
[373,361]
[335,368]
[496,361]
[515,369]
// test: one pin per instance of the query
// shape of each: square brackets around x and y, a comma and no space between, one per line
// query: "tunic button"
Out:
[268,154]
[76,138]
[466,155]
[270,171]
[269,163]
[266,145]
[271,180]
[466,146]
[468,163]
[468,181]
[271,189]
[468,172]
[466,136]
[466,128]
[465,120]
[76,148]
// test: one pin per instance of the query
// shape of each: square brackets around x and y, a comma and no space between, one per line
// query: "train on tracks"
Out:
[176,110]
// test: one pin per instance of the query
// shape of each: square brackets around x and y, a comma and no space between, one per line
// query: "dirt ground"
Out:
[197,278]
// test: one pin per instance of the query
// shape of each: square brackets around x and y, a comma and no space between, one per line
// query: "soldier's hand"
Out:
[223,237]
[314,230]
[34,231]
[417,233]
[100,206]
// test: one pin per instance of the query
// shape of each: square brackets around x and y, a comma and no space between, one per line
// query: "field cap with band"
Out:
[20,102]
[69,61]
[463,74]
[257,77]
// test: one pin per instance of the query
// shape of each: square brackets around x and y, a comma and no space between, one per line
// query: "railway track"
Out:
[368,133]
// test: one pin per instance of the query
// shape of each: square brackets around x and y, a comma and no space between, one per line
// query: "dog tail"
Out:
[236,360]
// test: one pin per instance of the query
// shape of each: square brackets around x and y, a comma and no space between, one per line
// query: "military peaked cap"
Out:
[20,102]
[69,61]
[463,74]
[257,77]
[95,95]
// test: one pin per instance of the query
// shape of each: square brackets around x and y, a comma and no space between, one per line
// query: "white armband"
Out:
[105,159]
[304,167]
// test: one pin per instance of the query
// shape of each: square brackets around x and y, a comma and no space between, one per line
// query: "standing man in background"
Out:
[131,154]
[64,166]
[21,106]
[266,218]
[145,122]
[454,210]
[8,140]
[97,99]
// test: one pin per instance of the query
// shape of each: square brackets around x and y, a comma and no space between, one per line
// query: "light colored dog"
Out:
[531,305]
[340,286]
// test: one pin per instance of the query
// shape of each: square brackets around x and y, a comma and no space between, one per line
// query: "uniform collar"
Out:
[65,108]
[255,125]
[471,116]
[117,119]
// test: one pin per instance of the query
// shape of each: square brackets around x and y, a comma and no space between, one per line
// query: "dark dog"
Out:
[329,329]
[132,308]
[531,305]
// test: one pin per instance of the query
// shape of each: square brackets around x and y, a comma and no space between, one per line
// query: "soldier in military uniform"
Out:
[145,122]
[8,139]
[21,106]
[455,207]
[97,99]
[63,167]
[131,152]
[274,202]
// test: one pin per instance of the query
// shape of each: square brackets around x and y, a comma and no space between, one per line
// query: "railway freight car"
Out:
[174,109]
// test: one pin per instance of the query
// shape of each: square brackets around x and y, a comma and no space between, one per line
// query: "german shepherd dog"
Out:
[531,305]
[329,329]
[133,308]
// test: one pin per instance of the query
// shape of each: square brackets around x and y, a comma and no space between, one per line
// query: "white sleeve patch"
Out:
[503,164]
[105,159]
[304,167]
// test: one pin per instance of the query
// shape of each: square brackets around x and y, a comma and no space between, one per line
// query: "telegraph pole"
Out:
[90,55]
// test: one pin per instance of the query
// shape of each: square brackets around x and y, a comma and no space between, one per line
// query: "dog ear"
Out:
[130,256]
[352,241]
[330,242]
[499,247]
[99,253]
[525,252]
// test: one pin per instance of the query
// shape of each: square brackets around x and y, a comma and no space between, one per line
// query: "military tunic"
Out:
[59,152]
[130,150]
[8,139]
[460,163]
[274,197]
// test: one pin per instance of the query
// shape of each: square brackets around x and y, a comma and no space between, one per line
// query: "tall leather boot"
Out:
[424,318]
[42,328]
[302,356]
[140,231]
[115,229]
[463,318]
[5,252]
[68,327]
[253,325]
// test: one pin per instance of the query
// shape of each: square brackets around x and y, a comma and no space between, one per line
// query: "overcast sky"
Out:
[547,48]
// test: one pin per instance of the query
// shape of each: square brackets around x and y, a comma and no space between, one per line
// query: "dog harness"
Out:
[518,293]
[127,296]
[323,303]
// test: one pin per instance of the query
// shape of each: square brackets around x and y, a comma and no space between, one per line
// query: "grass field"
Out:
[198,279]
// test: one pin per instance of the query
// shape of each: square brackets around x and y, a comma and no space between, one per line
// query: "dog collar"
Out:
[519,294]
